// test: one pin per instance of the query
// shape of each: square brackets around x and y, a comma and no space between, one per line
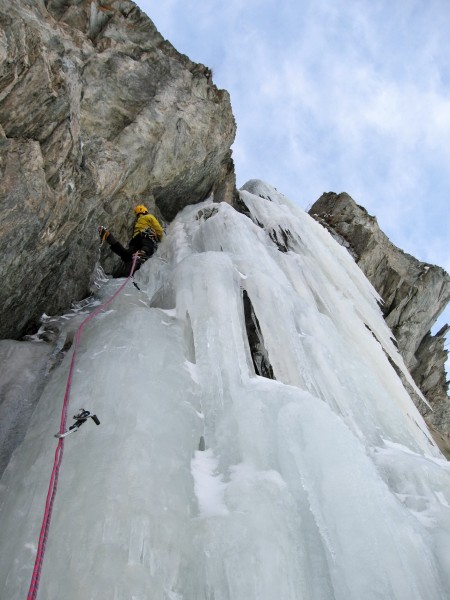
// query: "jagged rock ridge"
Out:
[414,295]
[96,109]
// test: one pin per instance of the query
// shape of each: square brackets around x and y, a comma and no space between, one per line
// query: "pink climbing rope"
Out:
[35,578]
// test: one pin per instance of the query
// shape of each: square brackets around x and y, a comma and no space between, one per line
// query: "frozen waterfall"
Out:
[318,481]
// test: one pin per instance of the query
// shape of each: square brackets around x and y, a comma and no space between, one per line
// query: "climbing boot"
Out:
[103,233]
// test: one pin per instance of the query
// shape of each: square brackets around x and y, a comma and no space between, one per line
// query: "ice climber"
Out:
[147,234]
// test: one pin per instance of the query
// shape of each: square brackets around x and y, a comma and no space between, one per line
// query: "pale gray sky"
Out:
[335,95]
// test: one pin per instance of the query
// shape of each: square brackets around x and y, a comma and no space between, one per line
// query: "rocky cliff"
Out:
[97,111]
[414,295]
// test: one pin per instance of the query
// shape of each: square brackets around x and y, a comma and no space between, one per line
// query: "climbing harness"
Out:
[150,234]
[35,578]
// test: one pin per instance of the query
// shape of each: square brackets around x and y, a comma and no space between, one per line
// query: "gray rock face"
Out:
[97,112]
[414,295]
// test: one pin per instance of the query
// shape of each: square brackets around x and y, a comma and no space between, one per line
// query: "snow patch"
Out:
[208,484]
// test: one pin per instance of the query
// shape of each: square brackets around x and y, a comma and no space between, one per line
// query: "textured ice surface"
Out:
[322,484]
[22,368]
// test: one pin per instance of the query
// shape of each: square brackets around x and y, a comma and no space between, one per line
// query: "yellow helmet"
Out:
[140,209]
